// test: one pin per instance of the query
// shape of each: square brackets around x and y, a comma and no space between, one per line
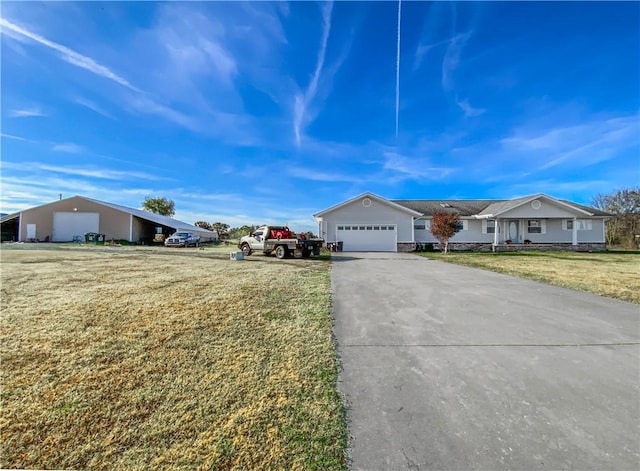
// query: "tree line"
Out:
[623,229]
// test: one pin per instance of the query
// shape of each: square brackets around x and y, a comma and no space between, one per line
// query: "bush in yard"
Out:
[444,226]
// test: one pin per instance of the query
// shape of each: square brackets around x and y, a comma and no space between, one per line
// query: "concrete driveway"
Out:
[447,367]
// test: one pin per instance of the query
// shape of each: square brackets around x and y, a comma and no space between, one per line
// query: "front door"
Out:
[513,231]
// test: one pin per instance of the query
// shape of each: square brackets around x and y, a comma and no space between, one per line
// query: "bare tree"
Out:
[444,226]
[624,227]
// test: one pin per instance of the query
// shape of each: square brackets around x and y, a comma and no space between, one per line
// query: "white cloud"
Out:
[68,55]
[469,111]
[303,100]
[11,136]
[68,147]
[587,143]
[412,168]
[93,107]
[105,174]
[315,175]
[26,113]
[451,59]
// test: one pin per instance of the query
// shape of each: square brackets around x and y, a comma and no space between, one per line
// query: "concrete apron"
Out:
[447,367]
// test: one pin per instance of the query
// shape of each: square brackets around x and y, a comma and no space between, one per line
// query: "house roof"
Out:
[157,218]
[430,207]
[380,199]
[488,208]
[500,207]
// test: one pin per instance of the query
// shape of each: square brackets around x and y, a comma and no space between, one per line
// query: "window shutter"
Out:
[427,224]
[484,226]
[543,226]
[564,225]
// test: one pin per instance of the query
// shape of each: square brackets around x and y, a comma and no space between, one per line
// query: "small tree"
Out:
[162,206]
[444,226]
[203,224]
[221,228]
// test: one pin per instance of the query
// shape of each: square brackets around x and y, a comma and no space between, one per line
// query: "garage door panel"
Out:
[367,237]
[67,225]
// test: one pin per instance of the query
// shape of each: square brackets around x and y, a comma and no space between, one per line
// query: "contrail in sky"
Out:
[398,68]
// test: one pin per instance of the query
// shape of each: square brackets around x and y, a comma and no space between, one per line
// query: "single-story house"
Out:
[372,223]
[70,219]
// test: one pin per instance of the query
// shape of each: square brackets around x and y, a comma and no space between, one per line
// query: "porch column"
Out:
[496,229]
[574,232]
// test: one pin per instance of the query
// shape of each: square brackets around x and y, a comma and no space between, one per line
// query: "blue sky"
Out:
[272,111]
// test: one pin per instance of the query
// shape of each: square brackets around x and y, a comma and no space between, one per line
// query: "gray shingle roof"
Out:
[594,211]
[430,207]
[481,207]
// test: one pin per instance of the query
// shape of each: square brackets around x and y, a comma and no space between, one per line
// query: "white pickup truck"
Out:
[182,239]
[279,240]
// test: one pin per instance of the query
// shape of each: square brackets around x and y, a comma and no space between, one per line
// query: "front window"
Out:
[534,226]
[419,225]
[581,224]
[491,227]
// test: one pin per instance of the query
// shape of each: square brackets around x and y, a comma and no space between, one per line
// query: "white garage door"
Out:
[367,237]
[66,226]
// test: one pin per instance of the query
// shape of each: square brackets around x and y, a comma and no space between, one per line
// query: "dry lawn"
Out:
[166,358]
[616,275]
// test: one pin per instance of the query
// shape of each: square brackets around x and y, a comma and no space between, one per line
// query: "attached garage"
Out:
[69,226]
[368,223]
[368,237]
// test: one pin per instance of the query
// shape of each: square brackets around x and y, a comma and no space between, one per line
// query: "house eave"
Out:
[397,206]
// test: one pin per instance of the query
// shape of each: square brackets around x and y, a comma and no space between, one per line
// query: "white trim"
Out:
[542,195]
[574,232]
[382,200]
[372,224]
[485,226]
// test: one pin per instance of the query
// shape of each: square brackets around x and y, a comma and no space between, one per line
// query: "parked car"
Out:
[182,239]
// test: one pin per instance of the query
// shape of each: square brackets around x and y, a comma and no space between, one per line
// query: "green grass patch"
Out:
[611,274]
[143,359]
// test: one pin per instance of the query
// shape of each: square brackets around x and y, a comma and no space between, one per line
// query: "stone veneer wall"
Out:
[406,246]
[581,247]
[487,247]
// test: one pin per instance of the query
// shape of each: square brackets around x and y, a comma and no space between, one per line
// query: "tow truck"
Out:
[280,241]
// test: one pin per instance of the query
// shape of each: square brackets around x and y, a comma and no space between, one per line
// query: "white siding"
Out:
[377,213]
[546,210]
[67,225]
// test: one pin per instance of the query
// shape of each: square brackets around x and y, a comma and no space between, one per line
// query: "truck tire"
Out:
[306,253]
[246,250]
[281,252]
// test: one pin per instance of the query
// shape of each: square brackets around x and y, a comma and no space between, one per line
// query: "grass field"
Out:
[612,274]
[145,358]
